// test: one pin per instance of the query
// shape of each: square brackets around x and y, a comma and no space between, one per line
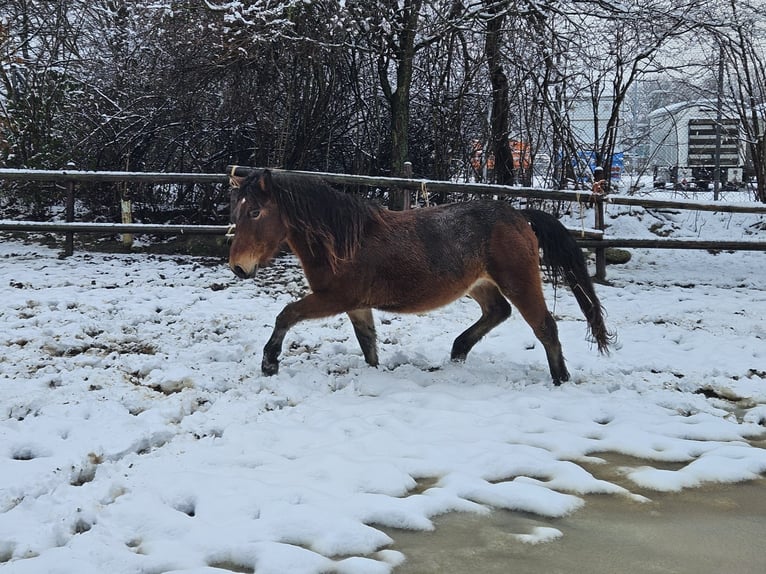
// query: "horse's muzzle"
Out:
[241,273]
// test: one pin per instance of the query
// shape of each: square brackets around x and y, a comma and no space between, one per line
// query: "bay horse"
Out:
[358,256]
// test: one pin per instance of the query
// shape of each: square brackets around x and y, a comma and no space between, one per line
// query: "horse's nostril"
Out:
[239,272]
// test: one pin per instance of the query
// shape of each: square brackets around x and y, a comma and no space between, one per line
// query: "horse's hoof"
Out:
[268,368]
[562,379]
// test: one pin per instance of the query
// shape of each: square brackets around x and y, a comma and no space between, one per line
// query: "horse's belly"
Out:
[419,298]
[417,279]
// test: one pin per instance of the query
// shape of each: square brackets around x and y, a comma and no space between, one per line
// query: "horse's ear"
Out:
[265,183]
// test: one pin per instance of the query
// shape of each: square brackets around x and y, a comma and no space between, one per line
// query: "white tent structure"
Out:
[682,138]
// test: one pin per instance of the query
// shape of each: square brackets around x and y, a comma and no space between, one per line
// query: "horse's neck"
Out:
[300,247]
[312,260]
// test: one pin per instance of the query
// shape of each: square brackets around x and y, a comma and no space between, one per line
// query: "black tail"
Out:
[562,257]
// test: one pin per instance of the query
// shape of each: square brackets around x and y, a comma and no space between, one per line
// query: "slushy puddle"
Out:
[714,528]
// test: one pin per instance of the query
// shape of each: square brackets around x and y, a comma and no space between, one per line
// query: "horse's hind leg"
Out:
[548,334]
[494,310]
[517,274]
[528,299]
[364,328]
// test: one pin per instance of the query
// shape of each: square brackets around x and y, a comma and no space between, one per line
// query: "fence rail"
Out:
[434,186]
[664,243]
[74,227]
[425,185]
[65,175]
[590,238]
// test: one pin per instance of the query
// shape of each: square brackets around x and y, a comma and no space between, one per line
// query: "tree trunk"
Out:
[399,98]
[758,152]
[499,81]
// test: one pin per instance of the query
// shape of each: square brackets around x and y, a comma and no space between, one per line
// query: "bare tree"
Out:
[355,86]
[496,12]
[620,44]
[742,49]
[447,102]
[38,62]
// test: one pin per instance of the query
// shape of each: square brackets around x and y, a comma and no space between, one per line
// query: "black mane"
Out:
[331,223]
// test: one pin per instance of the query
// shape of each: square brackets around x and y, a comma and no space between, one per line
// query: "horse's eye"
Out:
[254,213]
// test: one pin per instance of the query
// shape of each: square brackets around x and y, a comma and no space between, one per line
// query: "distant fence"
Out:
[590,237]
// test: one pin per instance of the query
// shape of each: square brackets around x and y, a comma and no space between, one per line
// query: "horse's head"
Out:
[259,227]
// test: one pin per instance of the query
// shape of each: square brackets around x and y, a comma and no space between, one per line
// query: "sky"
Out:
[137,433]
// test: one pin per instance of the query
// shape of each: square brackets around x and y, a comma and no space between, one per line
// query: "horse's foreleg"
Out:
[494,310]
[364,328]
[312,306]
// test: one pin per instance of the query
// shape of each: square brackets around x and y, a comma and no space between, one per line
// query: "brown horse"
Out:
[359,256]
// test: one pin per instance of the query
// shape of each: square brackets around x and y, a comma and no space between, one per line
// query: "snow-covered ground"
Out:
[138,435]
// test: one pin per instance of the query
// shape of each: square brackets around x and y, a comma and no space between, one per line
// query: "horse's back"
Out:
[426,258]
[466,224]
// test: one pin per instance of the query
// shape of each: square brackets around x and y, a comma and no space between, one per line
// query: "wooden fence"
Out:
[591,237]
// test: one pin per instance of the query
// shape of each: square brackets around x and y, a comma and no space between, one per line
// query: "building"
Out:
[682,144]
[583,115]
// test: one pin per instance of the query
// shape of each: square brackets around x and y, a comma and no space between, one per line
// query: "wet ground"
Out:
[712,529]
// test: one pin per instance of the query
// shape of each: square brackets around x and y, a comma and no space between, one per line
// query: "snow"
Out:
[540,534]
[137,433]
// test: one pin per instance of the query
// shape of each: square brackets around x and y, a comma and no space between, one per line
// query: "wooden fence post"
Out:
[408,175]
[400,198]
[600,251]
[69,217]
[126,209]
